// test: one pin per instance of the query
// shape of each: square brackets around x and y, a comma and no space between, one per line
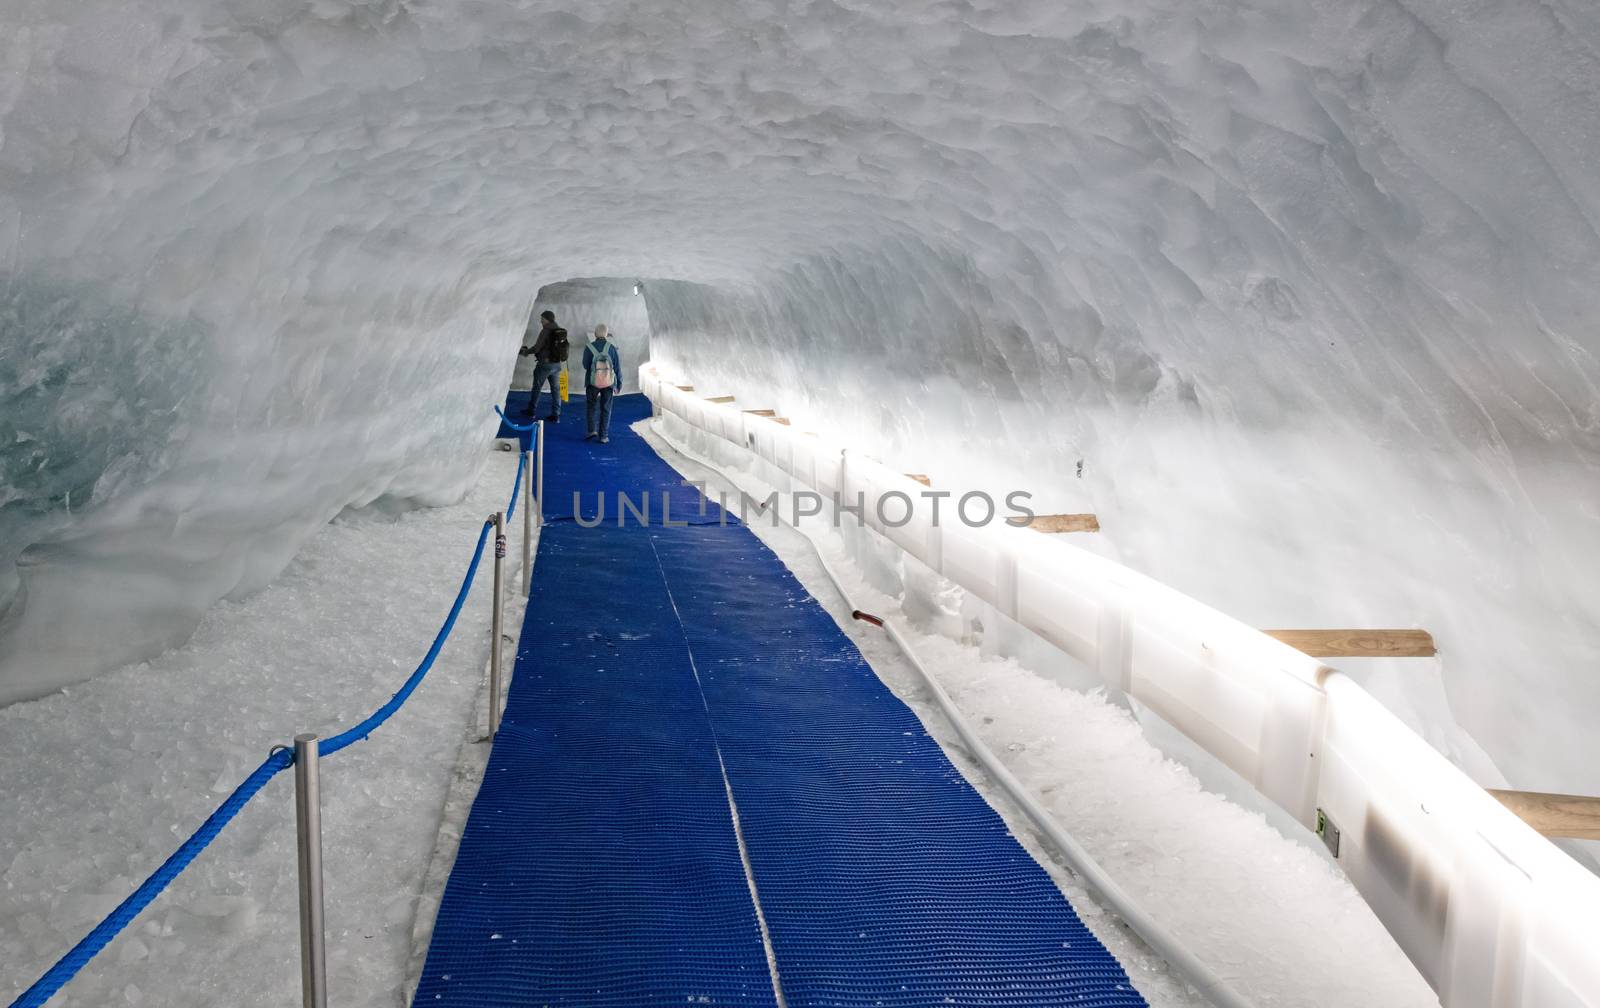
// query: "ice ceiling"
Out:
[1308,286]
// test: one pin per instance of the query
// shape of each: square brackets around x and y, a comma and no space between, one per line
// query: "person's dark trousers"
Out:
[598,402]
[546,373]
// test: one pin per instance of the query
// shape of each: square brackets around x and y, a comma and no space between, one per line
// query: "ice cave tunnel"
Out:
[1274,315]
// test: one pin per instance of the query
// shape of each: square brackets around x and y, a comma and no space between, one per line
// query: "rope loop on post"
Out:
[512,423]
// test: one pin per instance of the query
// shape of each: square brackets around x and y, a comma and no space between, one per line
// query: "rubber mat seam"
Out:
[733,805]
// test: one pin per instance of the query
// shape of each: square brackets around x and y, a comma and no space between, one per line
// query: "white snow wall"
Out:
[1383,461]
[161,454]
[1308,285]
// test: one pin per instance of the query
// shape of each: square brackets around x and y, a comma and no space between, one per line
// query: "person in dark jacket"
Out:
[549,352]
[602,373]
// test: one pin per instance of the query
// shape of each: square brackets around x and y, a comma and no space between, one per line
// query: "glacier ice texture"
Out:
[1308,287]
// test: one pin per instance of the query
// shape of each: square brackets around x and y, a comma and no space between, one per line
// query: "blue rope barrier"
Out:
[353,735]
[516,486]
[512,423]
[76,958]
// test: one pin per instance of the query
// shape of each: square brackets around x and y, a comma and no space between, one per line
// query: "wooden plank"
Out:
[685,388]
[1555,815]
[920,478]
[719,398]
[1058,523]
[781,419]
[762,412]
[1358,643]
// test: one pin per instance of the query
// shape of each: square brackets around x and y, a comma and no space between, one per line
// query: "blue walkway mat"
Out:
[884,877]
[600,865]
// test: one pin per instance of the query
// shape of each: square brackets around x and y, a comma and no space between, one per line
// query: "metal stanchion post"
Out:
[527,523]
[308,829]
[495,622]
[538,491]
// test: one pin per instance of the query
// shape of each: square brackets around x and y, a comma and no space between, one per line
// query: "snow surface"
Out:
[1274,918]
[1308,286]
[105,779]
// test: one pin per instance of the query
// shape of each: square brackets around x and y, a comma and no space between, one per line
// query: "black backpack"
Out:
[559,349]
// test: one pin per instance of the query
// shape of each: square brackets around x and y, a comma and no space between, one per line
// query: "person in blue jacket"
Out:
[602,373]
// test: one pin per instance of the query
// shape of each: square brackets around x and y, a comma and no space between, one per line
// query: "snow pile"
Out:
[105,779]
[1306,286]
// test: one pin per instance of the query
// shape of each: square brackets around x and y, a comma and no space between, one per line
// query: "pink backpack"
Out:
[603,376]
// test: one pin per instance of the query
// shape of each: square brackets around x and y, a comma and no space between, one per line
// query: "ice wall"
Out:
[1307,286]
[1323,391]
[1406,506]
[159,457]
[1300,301]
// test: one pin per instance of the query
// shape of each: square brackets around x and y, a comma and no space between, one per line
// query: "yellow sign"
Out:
[563,384]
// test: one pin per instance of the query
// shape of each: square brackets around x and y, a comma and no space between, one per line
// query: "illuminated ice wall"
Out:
[1308,287]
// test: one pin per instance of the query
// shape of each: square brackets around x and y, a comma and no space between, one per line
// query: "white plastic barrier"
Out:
[1492,914]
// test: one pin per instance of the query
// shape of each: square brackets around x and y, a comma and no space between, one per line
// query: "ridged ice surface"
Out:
[1308,287]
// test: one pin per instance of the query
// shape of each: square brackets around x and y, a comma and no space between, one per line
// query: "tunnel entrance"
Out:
[579,305]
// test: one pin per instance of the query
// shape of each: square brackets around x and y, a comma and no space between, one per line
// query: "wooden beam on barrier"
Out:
[920,478]
[1058,523]
[781,419]
[719,398]
[1554,815]
[762,412]
[1359,643]
[685,388]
